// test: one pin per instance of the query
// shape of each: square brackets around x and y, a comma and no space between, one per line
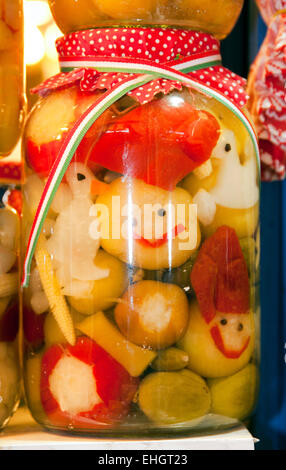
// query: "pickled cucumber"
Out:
[174,397]
[171,359]
[235,396]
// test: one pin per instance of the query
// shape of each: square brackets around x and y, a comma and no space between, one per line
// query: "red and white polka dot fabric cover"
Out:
[162,46]
[267,89]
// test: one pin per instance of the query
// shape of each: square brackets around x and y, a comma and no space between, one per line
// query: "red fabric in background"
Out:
[267,90]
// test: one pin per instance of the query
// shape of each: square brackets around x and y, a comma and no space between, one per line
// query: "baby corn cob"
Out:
[52,290]
[204,170]
[9,284]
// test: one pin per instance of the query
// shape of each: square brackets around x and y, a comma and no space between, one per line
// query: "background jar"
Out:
[214,16]
[9,312]
[12,98]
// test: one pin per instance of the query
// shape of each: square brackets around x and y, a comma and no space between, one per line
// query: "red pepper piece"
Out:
[232,292]
[158,144]
[15,200]
[220,276]
[9,323]
[203,278]
[161,241]
[201,133]
[115,387]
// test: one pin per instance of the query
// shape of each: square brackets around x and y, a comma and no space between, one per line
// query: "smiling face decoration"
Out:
[147,226]
[220,336]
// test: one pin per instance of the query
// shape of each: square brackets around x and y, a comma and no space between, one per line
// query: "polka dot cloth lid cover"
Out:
[162,46]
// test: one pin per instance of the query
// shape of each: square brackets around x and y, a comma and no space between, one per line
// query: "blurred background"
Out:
[269,424]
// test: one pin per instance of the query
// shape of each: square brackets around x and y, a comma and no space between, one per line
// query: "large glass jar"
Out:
[9,309]
[141,315]
[215,16]
[12,100]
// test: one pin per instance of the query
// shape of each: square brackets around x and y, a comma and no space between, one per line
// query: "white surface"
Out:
[24,434]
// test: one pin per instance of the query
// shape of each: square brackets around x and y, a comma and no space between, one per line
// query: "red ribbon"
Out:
[161,46]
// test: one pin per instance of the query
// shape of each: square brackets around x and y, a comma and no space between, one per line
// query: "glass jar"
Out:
[12,99]
[142,312]
[215,16]
[9,310]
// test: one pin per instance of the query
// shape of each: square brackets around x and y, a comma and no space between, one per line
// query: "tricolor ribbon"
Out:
[145,71]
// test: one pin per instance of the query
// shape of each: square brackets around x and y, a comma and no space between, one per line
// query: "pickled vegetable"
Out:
[170,360]
[148,257]
[220,197]
[47,127]
[104,291]
[132,357]
[52,332]
[101,391]
[220,277]
[174,397]
[9,314]
[235,396]
[221,347]
[156,245]
[249,250]
[12,101]
[32,384]
[152,314]
[215,16]
[9,381]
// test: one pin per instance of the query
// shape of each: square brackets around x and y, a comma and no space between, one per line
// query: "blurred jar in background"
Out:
[12,98]
[215,16]
[10,207]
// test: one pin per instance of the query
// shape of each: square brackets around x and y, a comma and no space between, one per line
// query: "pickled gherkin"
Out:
[170,360]
[174,397]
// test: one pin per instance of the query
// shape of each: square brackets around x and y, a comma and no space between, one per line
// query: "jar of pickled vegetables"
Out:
[141,231]
[9,295]
[215,16]
[12,99]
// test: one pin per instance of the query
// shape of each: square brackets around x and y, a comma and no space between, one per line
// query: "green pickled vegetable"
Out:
[171,359]
[174,397]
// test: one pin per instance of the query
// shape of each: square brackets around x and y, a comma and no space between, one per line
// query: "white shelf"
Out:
[24,434]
